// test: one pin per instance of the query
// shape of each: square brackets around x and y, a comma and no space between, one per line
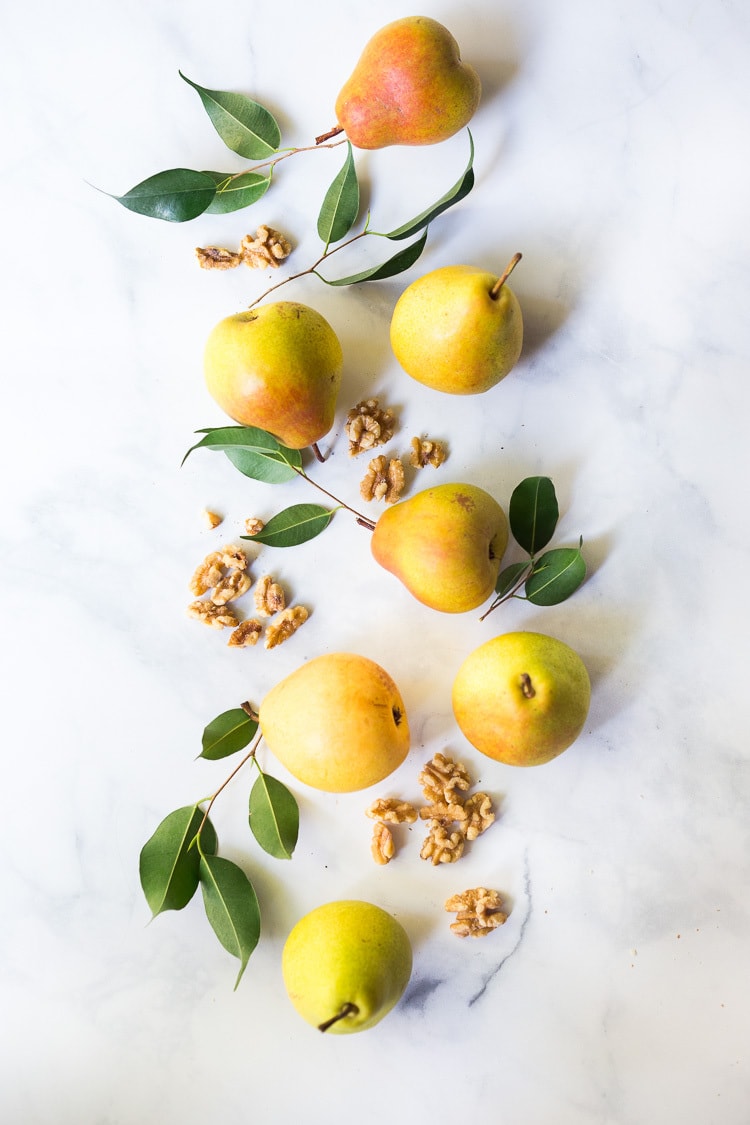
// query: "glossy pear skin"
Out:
[337,723]
[342,954]
[522,698]
[277,367]
[445,544]
[449,333]
[408,88]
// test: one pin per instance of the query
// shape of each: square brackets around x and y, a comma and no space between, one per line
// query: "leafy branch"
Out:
[181,855]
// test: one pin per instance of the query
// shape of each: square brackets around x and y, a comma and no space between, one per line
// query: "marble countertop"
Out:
[610,151]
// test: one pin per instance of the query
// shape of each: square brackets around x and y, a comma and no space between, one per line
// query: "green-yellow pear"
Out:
[522,698]
[408,88]
[337,723]
[277,367]
[458,329]
[445,544]
[345,965]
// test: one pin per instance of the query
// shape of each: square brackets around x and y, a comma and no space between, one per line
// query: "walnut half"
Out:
[478,911]
[384,480]
[285,625]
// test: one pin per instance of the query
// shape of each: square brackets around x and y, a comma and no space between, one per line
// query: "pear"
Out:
[445,544]
[337,723]
[522,698]
[458,329]
[277,367]
[346,965]
[409,87]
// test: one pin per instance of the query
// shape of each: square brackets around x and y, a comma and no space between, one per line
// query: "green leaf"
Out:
[458,192]
[176,195]
[508,578]
[169,865]
[245,126]
[254,452]
[397,264]
[227,734]
[231,907]
[274,816]
[293,526]
[341,204]
[235,192]
[556,575]
[533,513]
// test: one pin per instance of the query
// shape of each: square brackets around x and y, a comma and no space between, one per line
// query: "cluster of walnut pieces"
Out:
[453,816]
[223,576]
[478,911]
[367,426]
[267,247]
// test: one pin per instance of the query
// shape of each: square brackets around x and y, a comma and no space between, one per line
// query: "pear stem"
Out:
[348,1009]
[316,450]
[334,132]
[495,290]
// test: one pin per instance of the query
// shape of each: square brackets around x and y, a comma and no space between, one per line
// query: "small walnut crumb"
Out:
[478,809]
[478,911]
[384,480]
[246,634]
[367,426]
[230,586]
[382,847]
[441,845]
[268,248]
[217,258]
[211,519]
[444,812]
[285,626]
[254,526]
[426,452]
[269,597]
[393,810]
[440,778]
[215,615]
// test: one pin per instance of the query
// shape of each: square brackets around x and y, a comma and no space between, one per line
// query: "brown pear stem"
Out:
[249,710]
[526,685]
[347,1010]
[495,290]
[334,132]
[316,450]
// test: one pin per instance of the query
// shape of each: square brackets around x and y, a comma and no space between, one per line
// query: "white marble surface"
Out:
[611,150]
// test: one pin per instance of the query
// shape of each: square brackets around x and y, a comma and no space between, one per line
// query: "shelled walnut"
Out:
[268,248]
[253,525]
[478,911]
[246,635]
[367,426]
[217,258]
[382,846]
[268,596]
[441,845]
[230,586]
[285,625]
[424,452]
[441,777]
[479,814]
[393,810]
[384,480]
[217,616]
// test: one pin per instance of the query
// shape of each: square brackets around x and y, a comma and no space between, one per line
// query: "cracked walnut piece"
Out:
[479,813]
[442,846]
[246,634]
[210,572]
[269,597]
[217,616]
[367,426]
[268,248]
[217,258]
[285,625]
[253,525]
[382,847]
[441,777]
[478,911]
[230,586]
[393,810]
[426,452]
[384,480]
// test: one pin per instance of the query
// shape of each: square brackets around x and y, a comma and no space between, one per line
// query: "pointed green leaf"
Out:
[274,816]
[293,526]
[231,907]
[397,264]
[508,578]
[533,513]
[176,195]
[245,126]
[227,734]
[341,204]
[458,192]
[235,192]
[254,452]
[169,865]
[556,575]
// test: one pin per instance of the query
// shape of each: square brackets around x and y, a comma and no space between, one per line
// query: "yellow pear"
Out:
[337,723]
[458,329]
[445,544]
[522,698]
[409,87]
[277,367]
[346,965]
